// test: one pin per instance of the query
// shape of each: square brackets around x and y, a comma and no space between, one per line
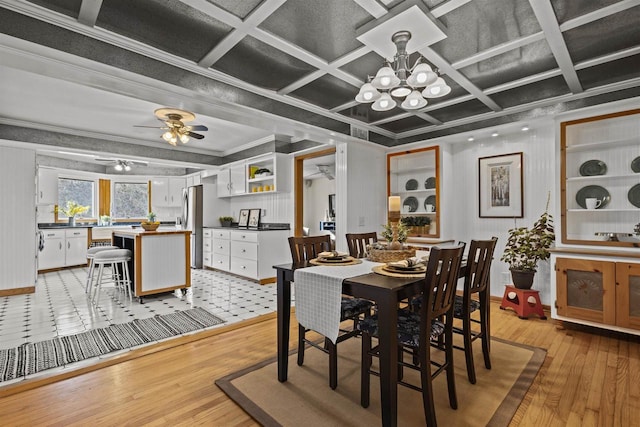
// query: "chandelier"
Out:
[398,80]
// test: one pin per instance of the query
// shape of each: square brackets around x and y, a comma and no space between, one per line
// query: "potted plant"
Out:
[526,246]
[226,221]
[150,224]
[71,210]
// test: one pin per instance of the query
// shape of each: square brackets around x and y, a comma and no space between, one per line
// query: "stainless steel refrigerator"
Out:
[192,220]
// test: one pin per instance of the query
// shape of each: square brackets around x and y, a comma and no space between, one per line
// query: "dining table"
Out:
[386,292]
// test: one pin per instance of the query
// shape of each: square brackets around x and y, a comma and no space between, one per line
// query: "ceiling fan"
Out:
[174,125]
[121,165]
[328,171]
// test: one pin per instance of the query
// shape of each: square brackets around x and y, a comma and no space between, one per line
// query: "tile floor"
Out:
[60,306]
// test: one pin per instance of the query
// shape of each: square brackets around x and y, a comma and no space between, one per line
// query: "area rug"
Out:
[306,398]
[30,358]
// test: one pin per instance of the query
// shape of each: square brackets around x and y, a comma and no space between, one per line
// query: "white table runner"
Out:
[319,292]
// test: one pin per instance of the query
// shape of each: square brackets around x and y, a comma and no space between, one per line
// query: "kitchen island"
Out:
[160,262]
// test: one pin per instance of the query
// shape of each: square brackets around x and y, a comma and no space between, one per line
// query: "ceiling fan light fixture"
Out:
[184,138]
[127,167]
[167,136]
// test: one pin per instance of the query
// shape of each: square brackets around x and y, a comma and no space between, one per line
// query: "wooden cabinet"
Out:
[598,291]
[600,159]
[63,248]
[414,175]
[167,192]
[47,186]
[250,253]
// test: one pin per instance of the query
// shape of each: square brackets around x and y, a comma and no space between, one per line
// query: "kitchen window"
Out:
[81,191]
[130,200]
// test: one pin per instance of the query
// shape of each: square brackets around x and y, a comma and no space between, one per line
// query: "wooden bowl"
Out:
[150,226]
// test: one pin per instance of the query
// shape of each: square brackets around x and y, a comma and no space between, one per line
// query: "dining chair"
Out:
[307,248]
[476,282]
[357,243]
[419,331]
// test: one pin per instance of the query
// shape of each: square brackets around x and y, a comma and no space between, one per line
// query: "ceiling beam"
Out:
[598,14]
[549,24]
[89,10]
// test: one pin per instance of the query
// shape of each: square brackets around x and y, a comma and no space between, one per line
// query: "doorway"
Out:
[308,168]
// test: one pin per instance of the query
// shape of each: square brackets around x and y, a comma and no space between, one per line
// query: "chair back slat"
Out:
[306,248]
[440,282]
[358,242]
[479,265]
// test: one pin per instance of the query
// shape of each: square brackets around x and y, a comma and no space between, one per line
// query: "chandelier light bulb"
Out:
[414,101]
[367,93]
[436,89]
[385,103]
[167,136]
[385,78]
[118,167]
[127,168]
[184,138]
[422,76]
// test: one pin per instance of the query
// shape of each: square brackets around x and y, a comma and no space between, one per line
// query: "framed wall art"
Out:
[500,186]
[254,218]
[244,218]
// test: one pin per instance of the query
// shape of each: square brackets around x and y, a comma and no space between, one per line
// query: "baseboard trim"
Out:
[17,291]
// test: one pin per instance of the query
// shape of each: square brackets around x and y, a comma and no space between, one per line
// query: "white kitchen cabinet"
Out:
[167,192]
[250,253]
[232,180]
[63,248]
[274,176]
[47,186]
[195,179]
[207,247]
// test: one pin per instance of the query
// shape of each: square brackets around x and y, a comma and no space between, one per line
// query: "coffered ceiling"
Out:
[285,72]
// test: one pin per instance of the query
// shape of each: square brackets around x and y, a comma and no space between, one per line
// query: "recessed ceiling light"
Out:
[470,139]
[525,128]
[494,134]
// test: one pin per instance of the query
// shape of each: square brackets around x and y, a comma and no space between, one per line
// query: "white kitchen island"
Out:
[160,262]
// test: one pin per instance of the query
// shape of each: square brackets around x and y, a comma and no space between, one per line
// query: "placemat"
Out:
[348,261]
[379,270]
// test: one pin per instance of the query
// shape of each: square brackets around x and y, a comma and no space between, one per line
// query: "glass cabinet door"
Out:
[414,176]
[600,179]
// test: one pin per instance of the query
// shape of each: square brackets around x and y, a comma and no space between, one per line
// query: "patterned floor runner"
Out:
[30,358]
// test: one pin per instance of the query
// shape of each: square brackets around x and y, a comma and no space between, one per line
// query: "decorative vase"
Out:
[522,279]
[72,221]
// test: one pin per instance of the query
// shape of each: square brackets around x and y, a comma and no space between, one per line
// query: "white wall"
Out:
[316,202]
[539,178]
[18,218]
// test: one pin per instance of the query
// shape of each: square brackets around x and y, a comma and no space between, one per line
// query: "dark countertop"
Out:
[48,225]
[263,227]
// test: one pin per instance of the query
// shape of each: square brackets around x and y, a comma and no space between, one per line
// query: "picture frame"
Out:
[244,218]
[254,218]
[500,186]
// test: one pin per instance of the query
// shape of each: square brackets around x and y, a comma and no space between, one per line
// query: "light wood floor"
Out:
[587,379]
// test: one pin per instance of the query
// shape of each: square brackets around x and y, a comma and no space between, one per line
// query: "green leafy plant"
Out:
[387,232]
[72,209]
[526,246]
[225,220]
[151,217]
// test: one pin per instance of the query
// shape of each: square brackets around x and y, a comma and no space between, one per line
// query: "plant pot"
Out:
[72,221]
[226,223]
[522,279]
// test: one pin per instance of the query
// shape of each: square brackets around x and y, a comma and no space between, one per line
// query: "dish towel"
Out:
[319,293]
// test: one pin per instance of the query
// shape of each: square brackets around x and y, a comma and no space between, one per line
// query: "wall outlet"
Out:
[361,221]
[264,213]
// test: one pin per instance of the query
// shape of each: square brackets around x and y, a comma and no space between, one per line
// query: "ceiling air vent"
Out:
[359,133]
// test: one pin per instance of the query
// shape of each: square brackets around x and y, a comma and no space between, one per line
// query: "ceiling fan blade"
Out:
[104,160]
[151,127]
[195,135]
[198,127]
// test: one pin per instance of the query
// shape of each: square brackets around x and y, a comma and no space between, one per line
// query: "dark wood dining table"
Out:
[386,292]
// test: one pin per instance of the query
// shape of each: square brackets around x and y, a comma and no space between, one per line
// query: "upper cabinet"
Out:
[167,192]
[264,174]
[414,175]
[47,186]
[600,179]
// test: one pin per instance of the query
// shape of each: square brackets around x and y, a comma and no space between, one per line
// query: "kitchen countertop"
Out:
[263,227]
[47,225]
[142,231]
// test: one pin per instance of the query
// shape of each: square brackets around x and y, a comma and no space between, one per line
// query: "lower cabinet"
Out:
[250,253]
[598,291]
[63,248]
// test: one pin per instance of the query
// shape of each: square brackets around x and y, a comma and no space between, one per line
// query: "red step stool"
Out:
[521,302]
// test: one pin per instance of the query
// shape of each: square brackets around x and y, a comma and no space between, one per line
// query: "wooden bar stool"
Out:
[119,261]
[525,302]
[91,252]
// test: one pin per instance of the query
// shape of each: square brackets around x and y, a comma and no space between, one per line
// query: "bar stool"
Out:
[91,252]
[118,259]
